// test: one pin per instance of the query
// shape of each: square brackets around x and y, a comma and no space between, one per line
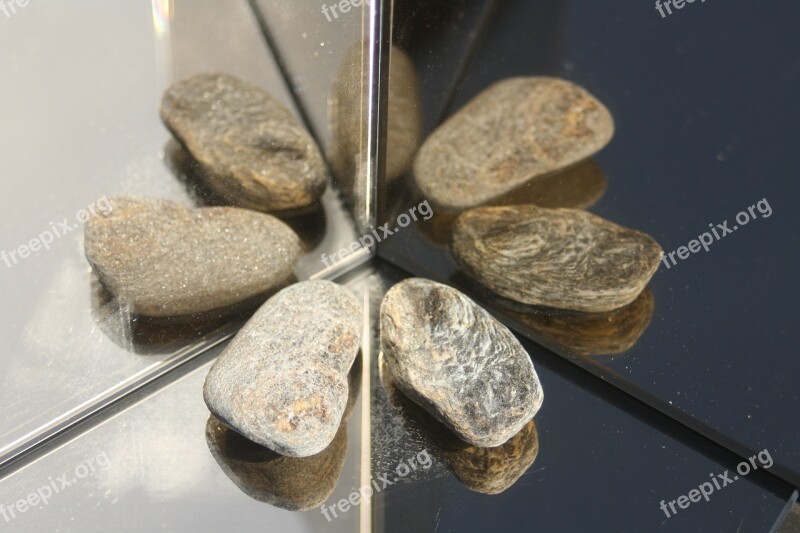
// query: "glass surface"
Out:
[603,462]
[704,102]
[82,85]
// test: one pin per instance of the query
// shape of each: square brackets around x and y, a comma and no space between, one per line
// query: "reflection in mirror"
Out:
[524,137]
[291,483]
[106,140]
[484,470]
[348,116]
[584,334]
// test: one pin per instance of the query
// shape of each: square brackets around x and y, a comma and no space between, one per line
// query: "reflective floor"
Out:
[703,132]
[704,129]
[592,458]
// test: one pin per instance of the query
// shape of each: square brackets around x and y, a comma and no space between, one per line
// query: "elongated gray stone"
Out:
[282,381]
[515,131]
[253,151]
[159,259]
[561,258]
[457,362]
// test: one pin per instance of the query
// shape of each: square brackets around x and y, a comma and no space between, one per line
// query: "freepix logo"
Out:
[332,11]
[665,8]
[54,486]
[9,7]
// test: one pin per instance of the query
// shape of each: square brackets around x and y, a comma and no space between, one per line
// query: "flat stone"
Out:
[516,131]
[291,483]
[252,149]
[159,259]
[282,381]
[457,362]
[561,258]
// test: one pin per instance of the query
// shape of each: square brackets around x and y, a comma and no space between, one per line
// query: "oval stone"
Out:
[561,258]
[160,259]
[282,381]
[515,131]
[253,151]
[456,361]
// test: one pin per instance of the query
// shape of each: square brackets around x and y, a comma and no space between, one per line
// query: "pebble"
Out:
[560,258]
[159,259]
[456,361]
[283,380]
[480,469]
[516,131]
[252,149]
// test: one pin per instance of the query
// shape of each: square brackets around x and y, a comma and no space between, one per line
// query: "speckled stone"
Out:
[253,151]
[515,131]
[282,381]
[291,483]
[561,258]
[452,358]
[159,259]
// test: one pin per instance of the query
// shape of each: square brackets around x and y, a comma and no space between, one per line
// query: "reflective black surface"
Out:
[705,103]
[593,459]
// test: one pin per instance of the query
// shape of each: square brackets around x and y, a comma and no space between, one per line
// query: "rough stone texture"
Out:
[292,483]
[611,333]
[515,131]
[282,381]
[254,152]
[160,259]
[484,470]
[456,361]
[562,258]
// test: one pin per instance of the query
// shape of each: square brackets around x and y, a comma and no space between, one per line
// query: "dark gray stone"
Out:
[253,151]
[282,381]
[485,470]
[561,258]
[515,131]
[159,259]
[452,358]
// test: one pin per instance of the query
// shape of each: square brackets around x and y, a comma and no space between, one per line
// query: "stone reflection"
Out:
[309,225]
[580,187]
[484,470]
[348,111]
[146,335]
[291,483]
[584,334]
